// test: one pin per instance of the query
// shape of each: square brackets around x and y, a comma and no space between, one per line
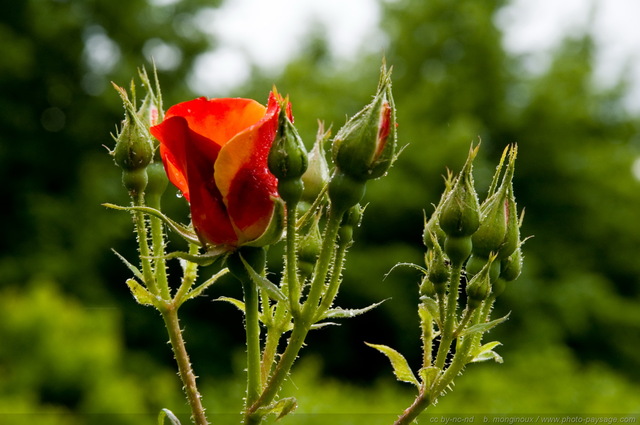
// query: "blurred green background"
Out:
[74,346]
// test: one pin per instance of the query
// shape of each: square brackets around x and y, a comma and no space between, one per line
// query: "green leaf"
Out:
[262,282]
[140,293]
[237,303]
[400,366]
[341,313]
[166,413]
[428,375]
[198,290]
[486,352]
[180,229]
[281,408]
[483,327]
[137,273]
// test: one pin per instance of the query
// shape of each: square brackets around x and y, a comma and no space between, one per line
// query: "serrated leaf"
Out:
[342,313]
[432,308]
[428,375]
[485,352]
[198,290]
[236,303]
[281,408]
[400,366]
[180,229]
[140,293]
[137,273]
[483,327]
[262,282]
[166,413]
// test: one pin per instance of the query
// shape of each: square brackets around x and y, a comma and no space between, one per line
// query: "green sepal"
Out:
[180,229]
[205,259]
[281,408]
[166,413]
[236,303]
[400,366]
[137,273]
[198,290]
[483,327]
[414,266]
[274,230]
[432,308]
[342,313]
[262,282]
[140,293]
[485,352]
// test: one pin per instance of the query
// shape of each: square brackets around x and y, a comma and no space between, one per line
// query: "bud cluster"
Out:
[483,238]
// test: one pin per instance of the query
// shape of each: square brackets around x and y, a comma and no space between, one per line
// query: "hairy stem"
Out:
[143,244]
[446,333]
[252,325]
[292,261]
[170,316]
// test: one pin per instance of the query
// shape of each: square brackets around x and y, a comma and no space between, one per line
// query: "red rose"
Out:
[215,151]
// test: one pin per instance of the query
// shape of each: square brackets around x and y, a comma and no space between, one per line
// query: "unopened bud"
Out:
[479,287]
[317,175]
[511,267]
[309,247]
[350,221]
[364,148]
[134,149]
[438,271]
[345,192]
[427,288]
[460,215]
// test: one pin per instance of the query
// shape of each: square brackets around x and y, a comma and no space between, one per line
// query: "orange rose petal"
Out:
[243,177]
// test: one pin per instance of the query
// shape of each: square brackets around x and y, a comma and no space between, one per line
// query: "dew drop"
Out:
[179,194]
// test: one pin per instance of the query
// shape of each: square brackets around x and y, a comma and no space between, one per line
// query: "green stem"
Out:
[189,276]
[446,333]
[295,343]
[303,324]
[170,316]
[292,261]
[158,243]
[275,330]
[322,267]
[252,325]
[426,327]
[334,283]
[465,320]
[143,243]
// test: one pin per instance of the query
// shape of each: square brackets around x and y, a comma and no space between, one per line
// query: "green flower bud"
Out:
[427,288]
[479,287]
[460,215]
[134,149]
[364,148]
[511,267]
[317,175]
[499,227]
[288,156]
[457,249]
[350,221]
[433,234]
[309,246]
[438,271]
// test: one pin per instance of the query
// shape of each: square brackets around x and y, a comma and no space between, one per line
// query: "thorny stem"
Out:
[170,317]
[334,283]
[419,404]
[446,333]
[143,243]
[252,325]
[303,324]
[292,261]
[158,243]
